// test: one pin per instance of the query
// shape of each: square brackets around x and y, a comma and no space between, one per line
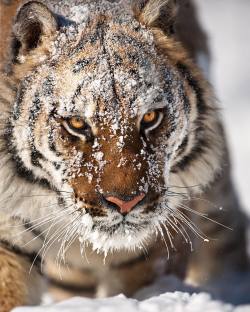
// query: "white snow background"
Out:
[227,23]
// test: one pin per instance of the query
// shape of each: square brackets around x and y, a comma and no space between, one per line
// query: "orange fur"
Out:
[13,289]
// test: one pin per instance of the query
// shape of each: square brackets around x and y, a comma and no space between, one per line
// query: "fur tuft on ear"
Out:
[156,13]
[33,23]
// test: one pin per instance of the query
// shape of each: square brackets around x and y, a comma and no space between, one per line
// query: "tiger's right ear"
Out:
[156,13]
[33,26]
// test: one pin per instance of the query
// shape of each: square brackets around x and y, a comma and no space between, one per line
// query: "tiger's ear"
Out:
[33,25]
[156,13]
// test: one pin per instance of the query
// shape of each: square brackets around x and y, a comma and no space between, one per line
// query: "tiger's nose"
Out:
[125,206]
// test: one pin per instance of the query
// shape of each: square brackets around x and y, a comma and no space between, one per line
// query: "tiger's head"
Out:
[111,114]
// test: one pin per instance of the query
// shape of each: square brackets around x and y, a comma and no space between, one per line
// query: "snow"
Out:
[167,294]
[162,295]
[168,302]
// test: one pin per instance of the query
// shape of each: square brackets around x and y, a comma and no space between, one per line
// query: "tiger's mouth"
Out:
[120,227]
[115,231]
[119,235]
[102,226]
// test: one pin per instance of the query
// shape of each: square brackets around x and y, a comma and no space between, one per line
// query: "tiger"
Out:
[114,163]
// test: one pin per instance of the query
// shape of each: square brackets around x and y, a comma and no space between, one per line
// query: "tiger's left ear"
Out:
[156,13]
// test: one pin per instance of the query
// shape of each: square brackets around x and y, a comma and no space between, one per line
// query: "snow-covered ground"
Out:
[227,22]
[169,302]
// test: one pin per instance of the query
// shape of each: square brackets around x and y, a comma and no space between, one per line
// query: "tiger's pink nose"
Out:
[125,206]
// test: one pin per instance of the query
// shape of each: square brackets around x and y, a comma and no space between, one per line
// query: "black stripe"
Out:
[62,21]
[185,72]
[57,165]
[171,125]
[51,141]
[30,227]
[201,140]
[34,110]
[198,149]
[124,39]
[86,39]
[34,114]
[112,67]
[51,137]
[71,287]
[76,94]
[169,89]
[31,257]
[17,108]
[186,102]
[35,157]
[129,263]
[81,64]
[170,86]
[183,146]
[117,59]
[48,86]
[27,174]
[20,168]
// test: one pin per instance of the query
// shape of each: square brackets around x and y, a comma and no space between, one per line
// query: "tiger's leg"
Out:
[226,250]
[20,278]
[18,286]
[133,274]
[66,281]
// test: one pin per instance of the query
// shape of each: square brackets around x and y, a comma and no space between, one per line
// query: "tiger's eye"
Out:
[149,117]
[77,122]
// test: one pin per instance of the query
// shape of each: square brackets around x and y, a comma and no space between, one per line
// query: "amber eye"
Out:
[150,117]
[151,120]
[76,123]
[76,126]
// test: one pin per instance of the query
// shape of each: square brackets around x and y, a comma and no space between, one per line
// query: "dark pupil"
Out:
[75,121]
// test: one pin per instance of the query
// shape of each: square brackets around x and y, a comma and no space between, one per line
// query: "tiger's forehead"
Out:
[105,65]
[113,66]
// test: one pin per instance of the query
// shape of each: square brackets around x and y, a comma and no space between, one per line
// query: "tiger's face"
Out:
[104,118]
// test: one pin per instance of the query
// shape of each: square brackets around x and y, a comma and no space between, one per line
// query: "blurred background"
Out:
[227,23]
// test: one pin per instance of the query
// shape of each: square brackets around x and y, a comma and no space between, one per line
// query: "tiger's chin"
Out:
[122,239]
[116,232]
[121,235]
[130,233]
